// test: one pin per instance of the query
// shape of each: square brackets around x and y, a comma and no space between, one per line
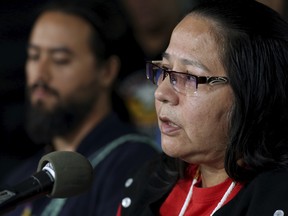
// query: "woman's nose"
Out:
[165,92]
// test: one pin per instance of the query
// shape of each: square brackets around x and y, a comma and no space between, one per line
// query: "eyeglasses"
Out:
[182,82]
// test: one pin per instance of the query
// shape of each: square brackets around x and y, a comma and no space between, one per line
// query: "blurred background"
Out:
[16,19]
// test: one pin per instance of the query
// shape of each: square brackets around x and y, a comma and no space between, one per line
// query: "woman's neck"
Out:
[211,176]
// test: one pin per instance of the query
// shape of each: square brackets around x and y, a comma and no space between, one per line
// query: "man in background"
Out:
[70,72]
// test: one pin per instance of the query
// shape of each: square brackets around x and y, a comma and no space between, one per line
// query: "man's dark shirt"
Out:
[109,175]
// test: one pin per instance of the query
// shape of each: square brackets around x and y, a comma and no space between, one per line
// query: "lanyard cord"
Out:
[190,193]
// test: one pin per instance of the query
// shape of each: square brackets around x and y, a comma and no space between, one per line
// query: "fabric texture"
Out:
[109,175]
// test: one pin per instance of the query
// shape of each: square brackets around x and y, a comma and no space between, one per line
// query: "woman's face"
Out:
[194,127]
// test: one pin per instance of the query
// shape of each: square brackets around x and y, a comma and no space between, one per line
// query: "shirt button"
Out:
[278,213]
[126,202]
[128,182]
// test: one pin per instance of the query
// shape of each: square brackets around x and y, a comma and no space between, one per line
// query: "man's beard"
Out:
[42,126]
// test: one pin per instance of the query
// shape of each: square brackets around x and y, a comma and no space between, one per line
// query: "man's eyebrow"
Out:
[191,62]
[60,49]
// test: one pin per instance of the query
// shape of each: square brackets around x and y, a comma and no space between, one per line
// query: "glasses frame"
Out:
[211,80]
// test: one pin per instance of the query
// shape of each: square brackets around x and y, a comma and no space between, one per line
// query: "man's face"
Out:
[62,81]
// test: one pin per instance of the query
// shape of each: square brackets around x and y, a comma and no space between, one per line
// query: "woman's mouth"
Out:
[167,126]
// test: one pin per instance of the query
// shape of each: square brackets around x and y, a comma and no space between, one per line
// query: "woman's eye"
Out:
[173,79]
[190,78]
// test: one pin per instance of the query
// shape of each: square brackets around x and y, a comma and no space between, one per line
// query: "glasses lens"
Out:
[183,83]
[149,71]
[191,84]
[154,73]
[158,75]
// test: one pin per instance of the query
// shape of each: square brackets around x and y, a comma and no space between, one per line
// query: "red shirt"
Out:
[203,201]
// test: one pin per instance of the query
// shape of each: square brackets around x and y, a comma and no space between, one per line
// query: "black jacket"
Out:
[265,195]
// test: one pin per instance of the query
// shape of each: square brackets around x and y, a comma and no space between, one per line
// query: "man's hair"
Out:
[103,16]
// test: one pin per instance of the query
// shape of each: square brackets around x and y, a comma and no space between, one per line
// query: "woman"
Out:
[222,110]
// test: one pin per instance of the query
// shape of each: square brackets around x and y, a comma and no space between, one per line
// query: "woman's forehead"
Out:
[192,40]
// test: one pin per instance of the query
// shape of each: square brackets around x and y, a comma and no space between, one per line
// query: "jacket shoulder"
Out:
[264,195]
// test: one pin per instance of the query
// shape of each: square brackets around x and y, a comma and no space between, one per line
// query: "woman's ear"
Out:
[110,71]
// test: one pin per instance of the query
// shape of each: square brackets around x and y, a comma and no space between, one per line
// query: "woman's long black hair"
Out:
[253,45]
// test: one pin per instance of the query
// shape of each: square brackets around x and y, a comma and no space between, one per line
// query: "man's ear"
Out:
[110,71]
